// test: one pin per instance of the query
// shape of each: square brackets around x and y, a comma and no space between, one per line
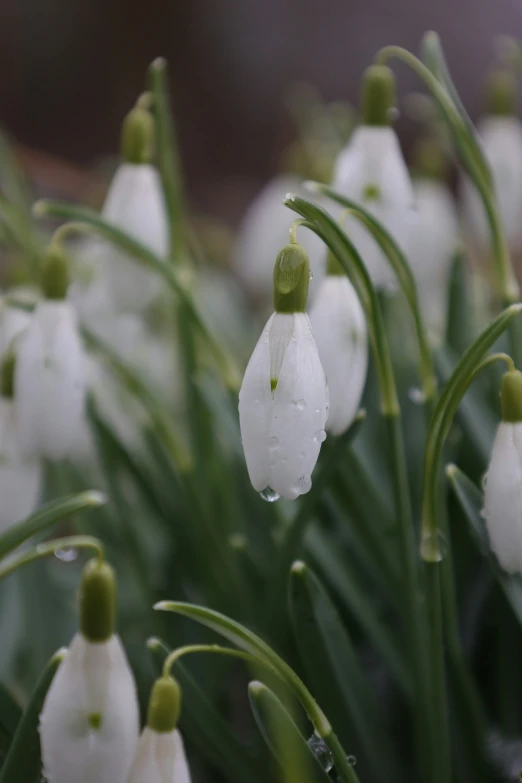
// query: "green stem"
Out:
[50,548]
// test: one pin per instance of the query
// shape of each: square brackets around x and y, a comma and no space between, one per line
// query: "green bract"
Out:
[291,279]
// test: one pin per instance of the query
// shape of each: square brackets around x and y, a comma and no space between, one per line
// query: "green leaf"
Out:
[48,515]
[471,500]
[283,737]
[23,761]
[334,671]
[10,714]
[459,326]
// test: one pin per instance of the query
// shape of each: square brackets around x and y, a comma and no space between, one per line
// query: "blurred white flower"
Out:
[90,719]
[134,204]
[159,758]
[13,321]
[339,329]
[50,381]
[20,475]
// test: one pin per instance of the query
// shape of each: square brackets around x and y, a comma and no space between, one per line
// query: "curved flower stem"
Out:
[50,548]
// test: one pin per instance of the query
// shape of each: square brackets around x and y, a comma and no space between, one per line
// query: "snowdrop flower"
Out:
[434,236]
[90,719]
[500,132]
[503,490]
[371,171]
[50,368]
[264,230]
[283,400]
[13,321]
[339,328]
[160,756]
[20,476]
[135,204]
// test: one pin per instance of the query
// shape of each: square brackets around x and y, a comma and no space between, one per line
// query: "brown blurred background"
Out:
[70,70]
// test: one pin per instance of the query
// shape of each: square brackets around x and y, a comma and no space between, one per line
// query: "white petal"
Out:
[50,381]
[373,158]
[14,322]
[255,410]
[135,204]
[20,476]
[299,414]
[159,758]
[94,679]
[503,497]
[264,231]
[339,329]
[281,332]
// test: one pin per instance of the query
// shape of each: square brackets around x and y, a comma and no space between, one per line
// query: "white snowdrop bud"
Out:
[339,329]
[503,491]
[283,399]
[90,719]
[265,229]
[50,370]
[135,204]
[371,171]
[500,132]
[160,756]
[20,475]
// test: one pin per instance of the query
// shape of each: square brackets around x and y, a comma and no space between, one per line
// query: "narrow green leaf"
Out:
[48,515]
[10,714]
[334,671]
[283,737]
[471,500]
[459,325]
[23,761]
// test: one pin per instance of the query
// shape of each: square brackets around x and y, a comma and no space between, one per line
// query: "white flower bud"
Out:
[135,204]
[159,758]
[503,490]
[339,329]
[20,475]
[371,171]
[90,720]
[50,381]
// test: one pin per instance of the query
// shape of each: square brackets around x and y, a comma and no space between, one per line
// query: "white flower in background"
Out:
[20,475]
[283,400]
[339,329]
[50,369]
[264,230]
[500,133]
[135,204]
[90,719]
[371,171]
[13,321]
[160,755]
[434,237]
[503,490]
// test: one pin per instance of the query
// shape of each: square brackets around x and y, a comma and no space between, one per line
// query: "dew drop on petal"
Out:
[269,494]
[416,395]
[484,482]
[320,436]
[273,443]
[67,554]
[321,751]
[352,761]
[433,547]
[302,454]
[299,404]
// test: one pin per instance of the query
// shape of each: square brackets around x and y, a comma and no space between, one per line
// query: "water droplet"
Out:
[270,495]
[416,395]
[318,410]
[484,482]
[433,547]
[311,277]
[302,454]
[67,554]
[299,404]
[321,751]
[273,443]
[320,436]
[303,485]
[352,761]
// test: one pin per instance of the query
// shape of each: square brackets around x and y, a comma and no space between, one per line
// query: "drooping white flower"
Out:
[265,229]
[371,171]
[160,758]
[20,475]
[339,329]
[90,719]
[13,321]
[503,489]
[432,245]
[284,399]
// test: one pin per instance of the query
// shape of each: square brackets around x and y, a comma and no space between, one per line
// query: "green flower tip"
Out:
[97,601]
[501,93]
[378,95]
[137,137]
[511,396]
[333,267]
[7,375]
[164,705]
[429,159]
[291,279]
[55,273]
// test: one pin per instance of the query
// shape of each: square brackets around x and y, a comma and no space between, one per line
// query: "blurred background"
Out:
[70,71]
